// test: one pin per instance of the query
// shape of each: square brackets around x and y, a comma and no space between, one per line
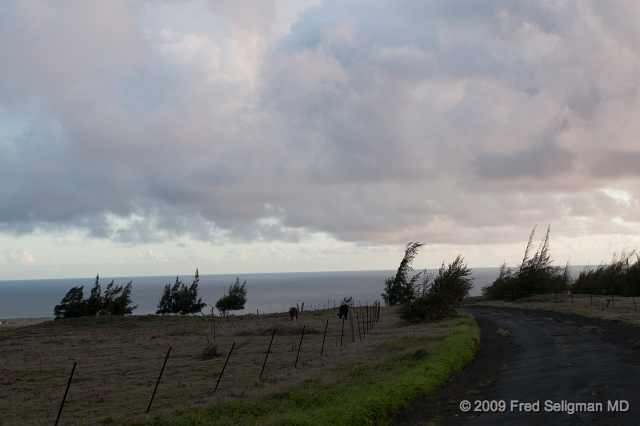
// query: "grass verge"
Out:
[353,393]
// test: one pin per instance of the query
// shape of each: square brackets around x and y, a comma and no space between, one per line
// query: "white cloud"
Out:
[19,257]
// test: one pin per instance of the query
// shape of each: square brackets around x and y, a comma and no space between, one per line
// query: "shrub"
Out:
[430,307]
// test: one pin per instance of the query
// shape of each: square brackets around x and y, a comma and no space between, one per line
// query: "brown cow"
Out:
[293,312]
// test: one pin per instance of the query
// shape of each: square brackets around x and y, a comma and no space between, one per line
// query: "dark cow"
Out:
[293,312]
[344,310]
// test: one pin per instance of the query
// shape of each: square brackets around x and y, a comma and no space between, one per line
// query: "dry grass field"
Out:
[621,308]
[119,360]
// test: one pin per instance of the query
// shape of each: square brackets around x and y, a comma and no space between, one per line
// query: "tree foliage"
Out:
[454,280]
[621,276]
[234,299]
[430,307]
[180,299]
[436,297]
[72,304]
[399,289]
[535,275]
[116,301]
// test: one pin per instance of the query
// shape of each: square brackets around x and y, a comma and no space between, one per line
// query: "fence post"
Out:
[368,319]
[159,377]
[353,334]
[364,328]
[634,303]
[65,392]
[358,321]
[342,332]
[267,356]
[223,367]
[299,347]
[325,336]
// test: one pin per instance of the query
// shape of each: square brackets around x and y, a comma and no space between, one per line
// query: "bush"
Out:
[234,300]
[430,307]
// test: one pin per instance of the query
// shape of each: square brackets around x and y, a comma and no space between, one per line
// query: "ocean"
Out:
[266,292]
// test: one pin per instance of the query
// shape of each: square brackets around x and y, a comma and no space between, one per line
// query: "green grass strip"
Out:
[369,394]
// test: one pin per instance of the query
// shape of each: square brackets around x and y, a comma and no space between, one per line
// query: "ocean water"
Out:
[272,292]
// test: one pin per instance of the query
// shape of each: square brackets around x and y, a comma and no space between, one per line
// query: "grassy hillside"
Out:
[119,360]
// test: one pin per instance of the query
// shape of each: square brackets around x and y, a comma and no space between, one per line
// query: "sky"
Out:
[156,137]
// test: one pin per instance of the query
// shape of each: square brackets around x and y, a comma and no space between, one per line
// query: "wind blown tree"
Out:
[95,302]
[436,297]
[234,300]
[180,299]
[72,304]
[621,276]
[400,289]
[535,275]
[116,301]
[453,280]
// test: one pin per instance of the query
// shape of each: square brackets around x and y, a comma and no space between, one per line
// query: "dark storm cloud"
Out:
[380,121]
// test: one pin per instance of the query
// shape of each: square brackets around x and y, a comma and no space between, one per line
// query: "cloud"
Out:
[368,121]
[19,257]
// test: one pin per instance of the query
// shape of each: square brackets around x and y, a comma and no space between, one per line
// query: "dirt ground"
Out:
[119,360]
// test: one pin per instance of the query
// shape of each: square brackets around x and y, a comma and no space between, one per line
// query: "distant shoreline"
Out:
[19,322]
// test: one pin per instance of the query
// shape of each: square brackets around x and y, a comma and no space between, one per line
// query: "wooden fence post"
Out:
[358,321]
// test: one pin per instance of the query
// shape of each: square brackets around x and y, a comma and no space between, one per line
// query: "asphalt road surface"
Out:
[558,362]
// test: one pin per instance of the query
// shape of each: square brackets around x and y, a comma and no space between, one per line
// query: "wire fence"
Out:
[268,348]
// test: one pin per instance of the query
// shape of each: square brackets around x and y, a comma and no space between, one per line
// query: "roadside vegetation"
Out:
[537,275]
[606,291]
[432,298]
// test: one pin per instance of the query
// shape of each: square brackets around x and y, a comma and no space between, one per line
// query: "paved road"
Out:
[558,362]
